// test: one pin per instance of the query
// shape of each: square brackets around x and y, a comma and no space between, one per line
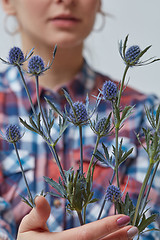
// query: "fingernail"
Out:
[123,221]
[132,232]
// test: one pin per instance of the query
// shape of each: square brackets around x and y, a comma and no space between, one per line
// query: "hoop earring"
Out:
[10,25]
[103,21]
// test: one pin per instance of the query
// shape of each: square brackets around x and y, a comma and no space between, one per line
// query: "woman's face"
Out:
[65,22]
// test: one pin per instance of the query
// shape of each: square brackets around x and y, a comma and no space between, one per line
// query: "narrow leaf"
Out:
[27,125]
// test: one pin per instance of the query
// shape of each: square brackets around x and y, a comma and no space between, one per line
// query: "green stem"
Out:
[149,187]
[29,193]
[40,108]
[84,215]
[81,149]
[115,212]
[116,156]
[80,218]
[141,193]
[102,207]
[158,126]
[25,86]
[89,169]
[117,123]
[104,201]
[122,85]
[92,158]
[33,109]
[55,155]
[52,148]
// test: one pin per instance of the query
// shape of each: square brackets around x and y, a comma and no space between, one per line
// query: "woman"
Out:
[42,24]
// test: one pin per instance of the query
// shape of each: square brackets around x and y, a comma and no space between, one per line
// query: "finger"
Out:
[123,234]
[38,216]
[96,230]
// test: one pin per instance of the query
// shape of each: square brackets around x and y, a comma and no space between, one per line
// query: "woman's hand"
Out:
[33,226]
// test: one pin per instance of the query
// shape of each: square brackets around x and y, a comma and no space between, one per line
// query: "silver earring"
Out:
[10,25]
[102,21]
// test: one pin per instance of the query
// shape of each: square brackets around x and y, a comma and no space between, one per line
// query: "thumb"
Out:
[38,216]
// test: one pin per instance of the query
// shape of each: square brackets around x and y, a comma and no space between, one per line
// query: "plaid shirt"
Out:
[38,162]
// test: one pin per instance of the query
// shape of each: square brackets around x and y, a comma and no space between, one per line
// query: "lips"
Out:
[66,17]
[65,20]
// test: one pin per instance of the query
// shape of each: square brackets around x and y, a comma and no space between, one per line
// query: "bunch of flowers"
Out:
[76,186]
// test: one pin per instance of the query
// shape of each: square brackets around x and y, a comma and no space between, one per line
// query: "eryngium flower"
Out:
[16,56]
[101,128]
[36,65]
[78,114]
[113,193]
[132,53]
[109,91]
[12,133]
[132,56]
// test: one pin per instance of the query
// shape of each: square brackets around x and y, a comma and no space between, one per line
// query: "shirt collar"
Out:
[81,84]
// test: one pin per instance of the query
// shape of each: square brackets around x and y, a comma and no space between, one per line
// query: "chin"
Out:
[67,43]
[66,39]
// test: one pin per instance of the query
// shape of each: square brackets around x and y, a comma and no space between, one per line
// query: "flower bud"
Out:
[132,53]
[36,65]
[109,90]
[79,114]
[16,56]
[12,133]
[113,193]
[101,127]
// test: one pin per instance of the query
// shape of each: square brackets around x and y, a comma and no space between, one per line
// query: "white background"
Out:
[140,19]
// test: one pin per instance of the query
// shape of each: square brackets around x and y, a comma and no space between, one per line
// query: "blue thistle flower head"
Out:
[12,133]
[78,114]
[109,91]
[132,56]
[16,56]
[101,127]
[132,53]
[113,193]
[36,65]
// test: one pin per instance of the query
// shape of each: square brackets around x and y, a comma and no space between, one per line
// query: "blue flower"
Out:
[132,53]
[16,56]
[102,128]
[78,113]
[36,65]
[12,133]
[113,193]
[132,56]
[109,91]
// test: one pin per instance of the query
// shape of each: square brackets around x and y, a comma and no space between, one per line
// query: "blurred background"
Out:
[139,18]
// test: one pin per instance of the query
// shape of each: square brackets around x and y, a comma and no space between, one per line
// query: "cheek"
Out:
[89,21]
[30,10]
[90,11]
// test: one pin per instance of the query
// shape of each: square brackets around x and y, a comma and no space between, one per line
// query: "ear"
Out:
[8,7]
